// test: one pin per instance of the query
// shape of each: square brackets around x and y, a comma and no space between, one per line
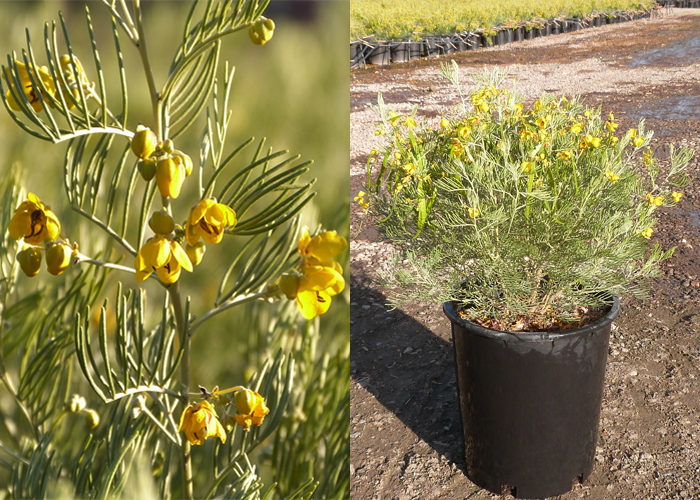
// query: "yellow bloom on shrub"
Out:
[638,142]
[464,130]
[199,422]
[250,407]
[527,166]
[163,256]
[576,128]
[208,220]
[58,257]
[565,155]
[676,196]
[34,222]
[411,122]
[647,232]
[473,212]
[444,123]
[360,200]
[170,174]
[611,176]
[30,92]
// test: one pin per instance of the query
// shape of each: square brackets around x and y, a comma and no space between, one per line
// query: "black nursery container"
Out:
[400,52]
[530,404]
[380,55]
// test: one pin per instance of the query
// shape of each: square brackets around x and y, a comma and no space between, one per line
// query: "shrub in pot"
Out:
[526,223]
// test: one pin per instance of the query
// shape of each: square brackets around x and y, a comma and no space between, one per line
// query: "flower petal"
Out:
[181,256]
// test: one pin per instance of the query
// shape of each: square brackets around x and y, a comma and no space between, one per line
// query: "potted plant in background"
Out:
[527,223]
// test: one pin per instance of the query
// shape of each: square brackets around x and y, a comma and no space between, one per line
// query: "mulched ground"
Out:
[406,440]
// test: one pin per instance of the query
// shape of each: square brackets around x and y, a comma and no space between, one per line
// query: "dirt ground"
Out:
[406,440]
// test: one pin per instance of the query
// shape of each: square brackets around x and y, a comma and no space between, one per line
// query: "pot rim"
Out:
[481,331]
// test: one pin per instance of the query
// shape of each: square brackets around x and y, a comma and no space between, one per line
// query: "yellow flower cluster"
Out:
[41,74]
[319,278]
[38,227]
[200,421]
[360,200]
[169,166]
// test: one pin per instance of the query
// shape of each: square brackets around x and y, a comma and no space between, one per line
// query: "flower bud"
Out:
[229,423]
[92,418]
[144,142]
[196,252]
[289,284]
[147,168]
[58,257]
[76,403]
[167,146]
[261,31]
[186,163]
[161,222]
[29,261]
[245,401]
[170,175]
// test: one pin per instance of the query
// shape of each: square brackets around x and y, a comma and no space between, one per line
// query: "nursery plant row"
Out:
[368,51]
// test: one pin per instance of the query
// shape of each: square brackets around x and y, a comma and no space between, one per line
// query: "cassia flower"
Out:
[360,200]
[473,212]
[34,222]
[170,174]
[647,232]
[29,260]
[314,288]
[676,196]
[250,407]
[323,246]
[30,92]
[58,256]
[611,176]
[207,220]
[199,422]
[410,122]
[163,256]
[261,31]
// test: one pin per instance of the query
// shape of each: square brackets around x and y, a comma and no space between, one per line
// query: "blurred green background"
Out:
[293,91]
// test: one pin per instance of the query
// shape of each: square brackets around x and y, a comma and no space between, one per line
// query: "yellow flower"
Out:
[464,131]
[378,132]
[321,278]
[527,166]
[632,132]
[199,422]
[611,176]
[261,31]
[565,155]
[676,196]
[144,142]
[484,106]
[29,91]
[163,256]
[360,200]
[196,253]
[208,220]
[596,142]
[34,222]
[250,407]
[638,142]
[647,232]
[658,201]
[29,260]
[587,114]
[444,123]
[58,257]
[542,121]
[170,174]
[410,122]
[614,140]
[576,128]
[473,212]
[321,247]
[73,81]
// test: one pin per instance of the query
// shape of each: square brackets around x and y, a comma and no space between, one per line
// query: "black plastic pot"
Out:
[446,46]
[473,41]
[488,40]
[529,34]
[415,50]
[460,42]
[501,37]
[556,27]
[380,55]
[519,34]
[400,52]
[597,21]
[530,404]
[431,48]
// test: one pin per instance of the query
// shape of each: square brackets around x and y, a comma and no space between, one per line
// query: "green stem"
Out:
[174,290]
[176,300]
